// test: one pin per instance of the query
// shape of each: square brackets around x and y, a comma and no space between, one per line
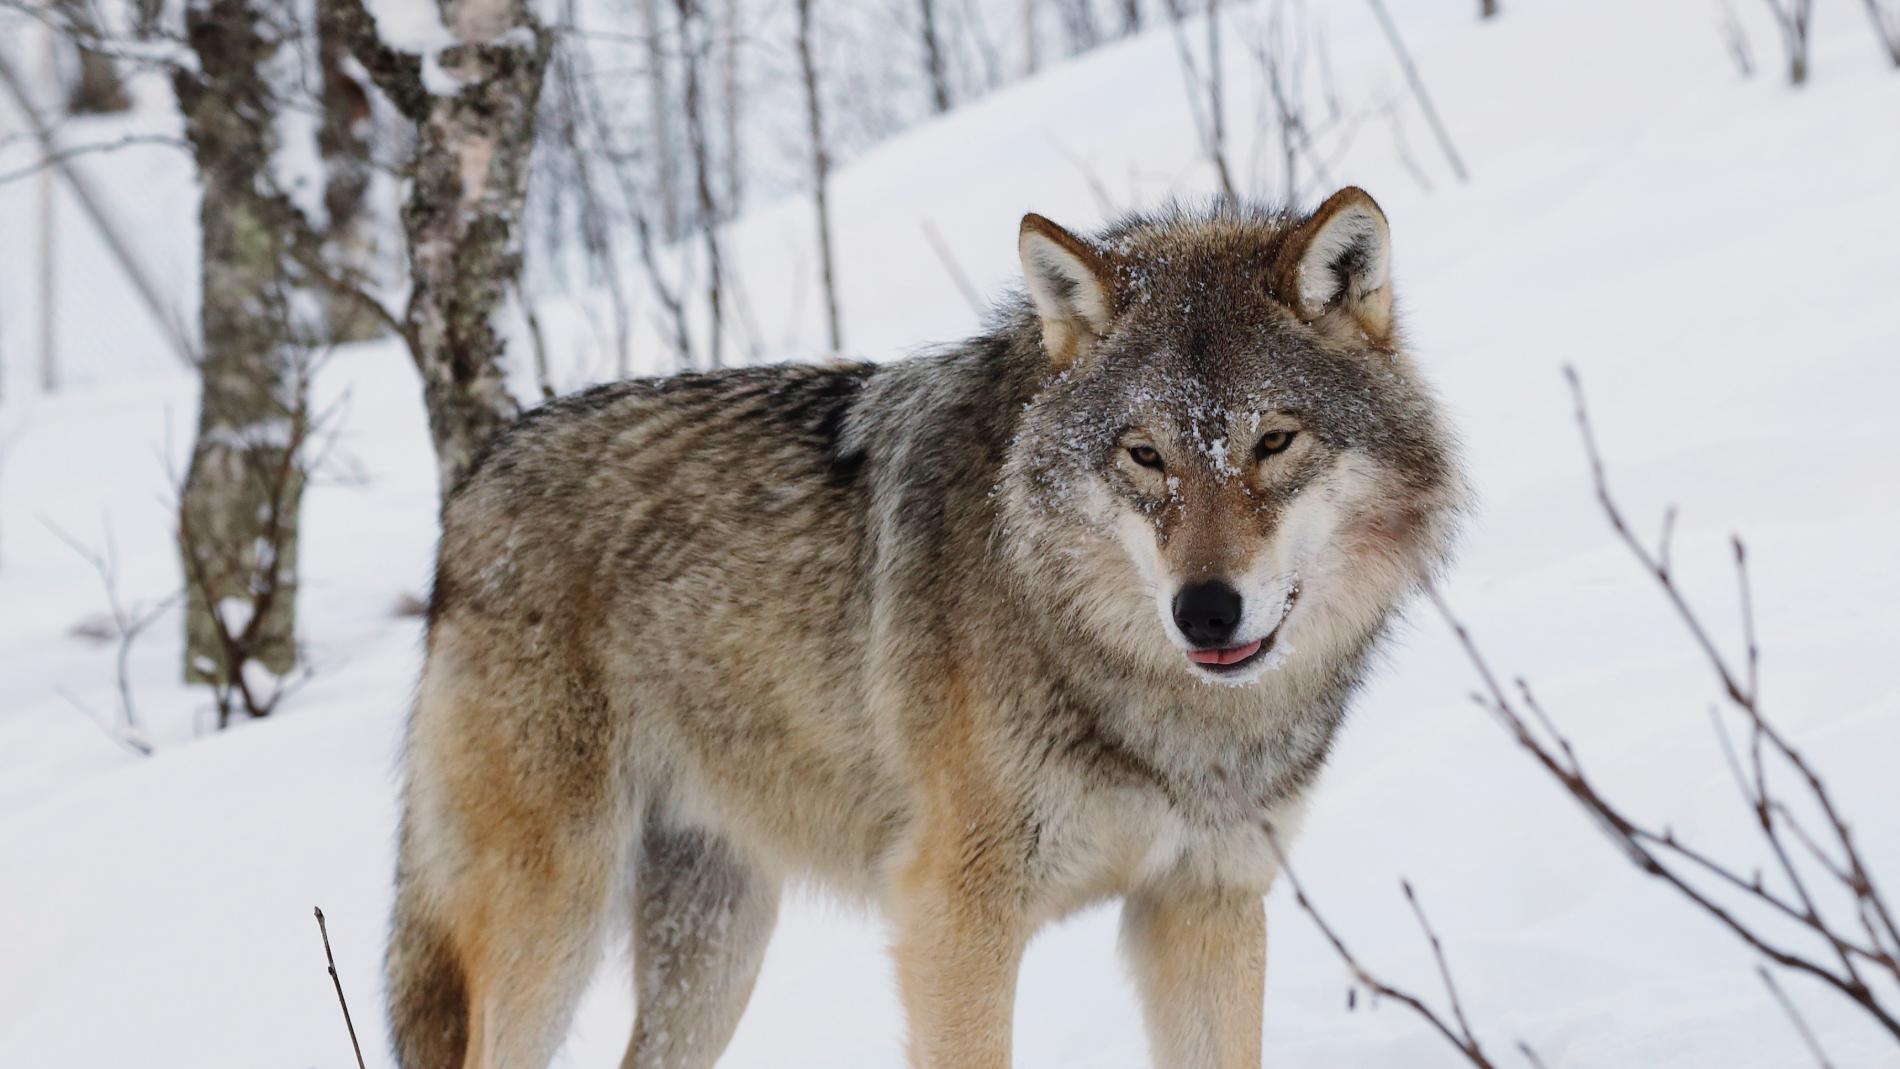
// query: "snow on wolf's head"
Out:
[1231,465]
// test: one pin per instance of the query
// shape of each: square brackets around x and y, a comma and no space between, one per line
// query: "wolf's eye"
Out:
[1145,455]
[1273,442]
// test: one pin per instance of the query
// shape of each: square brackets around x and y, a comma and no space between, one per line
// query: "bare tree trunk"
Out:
[343,141]
[694,38]
[729,88]
[1487,9]
[821,172]
[98,90]
[660,117]
[1131,17]
[935,68]
[1216,105]
[237,524]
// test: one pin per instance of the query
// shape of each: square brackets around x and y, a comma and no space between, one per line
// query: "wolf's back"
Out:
[702,484]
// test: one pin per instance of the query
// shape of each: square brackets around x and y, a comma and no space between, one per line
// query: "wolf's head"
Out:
[1231,465]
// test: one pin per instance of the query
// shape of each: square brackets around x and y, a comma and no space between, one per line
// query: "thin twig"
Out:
[1438,954]
[324,930]
[1418,90]
[1794,1015]
[957,276]
[58,157]
[1461,1038]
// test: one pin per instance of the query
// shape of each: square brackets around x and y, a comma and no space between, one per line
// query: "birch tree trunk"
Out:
[468,182]
[239,508]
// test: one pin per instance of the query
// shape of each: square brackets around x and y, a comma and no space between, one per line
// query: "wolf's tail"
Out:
[428,994]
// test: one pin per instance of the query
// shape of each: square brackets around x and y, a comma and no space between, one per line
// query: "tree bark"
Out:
[1487,9]
[468,182]
[821,173]
[241,520]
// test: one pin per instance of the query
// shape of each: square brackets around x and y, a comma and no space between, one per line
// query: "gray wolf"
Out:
[1057,615]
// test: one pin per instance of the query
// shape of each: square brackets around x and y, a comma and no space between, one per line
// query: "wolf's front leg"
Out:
[1200,959]
[959,911]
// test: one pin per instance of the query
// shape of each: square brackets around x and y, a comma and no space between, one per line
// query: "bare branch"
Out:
[324,930]
[1417,83]
[957,276]
[1794,1015]
[1665,856]
[58,157]
[1460,1038]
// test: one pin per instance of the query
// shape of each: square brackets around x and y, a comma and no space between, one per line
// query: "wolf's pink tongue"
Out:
[1238,653]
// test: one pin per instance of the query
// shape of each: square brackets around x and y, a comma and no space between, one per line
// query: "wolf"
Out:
[1069,612]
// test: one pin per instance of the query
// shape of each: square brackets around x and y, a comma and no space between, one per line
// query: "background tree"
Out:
[820,173]
[238,508]
[468,181]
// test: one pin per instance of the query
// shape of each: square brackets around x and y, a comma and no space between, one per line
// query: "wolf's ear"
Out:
[1071,283]
[1340,259]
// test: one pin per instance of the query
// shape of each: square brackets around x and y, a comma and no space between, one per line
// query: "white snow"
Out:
[1716,256]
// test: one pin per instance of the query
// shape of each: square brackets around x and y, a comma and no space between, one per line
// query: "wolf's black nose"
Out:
[1207,613]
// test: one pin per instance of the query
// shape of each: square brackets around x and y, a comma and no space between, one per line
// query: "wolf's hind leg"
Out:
[514,854]
[702,916]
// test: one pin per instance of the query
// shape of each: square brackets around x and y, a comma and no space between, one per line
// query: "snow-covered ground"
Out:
[1717,257]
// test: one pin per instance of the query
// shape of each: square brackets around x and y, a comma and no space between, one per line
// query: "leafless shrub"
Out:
[1457,1030]
[1206,94]
[1860,956]
[1310,122]
[123,623]
[1819,862]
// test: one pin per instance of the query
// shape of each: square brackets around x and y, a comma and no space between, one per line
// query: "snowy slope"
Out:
[1717,258]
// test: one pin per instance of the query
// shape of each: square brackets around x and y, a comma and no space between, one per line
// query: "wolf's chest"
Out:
[1112,842]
